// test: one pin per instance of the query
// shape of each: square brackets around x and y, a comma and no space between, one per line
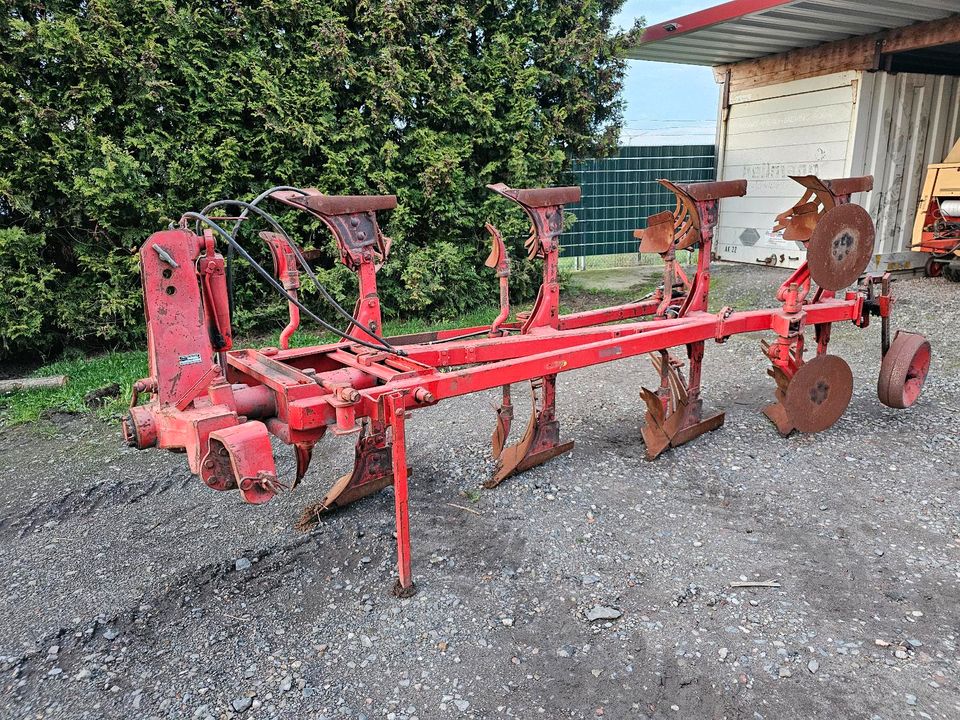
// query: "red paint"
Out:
[705,18]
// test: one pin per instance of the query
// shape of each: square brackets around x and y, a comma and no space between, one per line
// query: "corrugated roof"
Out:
[745,29]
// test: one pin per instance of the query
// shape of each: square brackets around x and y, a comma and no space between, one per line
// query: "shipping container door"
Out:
[802,127]
[906,122]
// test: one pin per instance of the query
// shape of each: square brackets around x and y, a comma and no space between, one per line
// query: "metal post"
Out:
[396,414]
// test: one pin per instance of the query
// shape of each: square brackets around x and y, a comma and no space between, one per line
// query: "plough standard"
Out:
[221,405]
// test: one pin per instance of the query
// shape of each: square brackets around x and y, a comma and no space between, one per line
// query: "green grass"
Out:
[86,374]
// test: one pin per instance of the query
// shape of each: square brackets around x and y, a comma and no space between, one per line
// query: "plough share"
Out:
[221,405]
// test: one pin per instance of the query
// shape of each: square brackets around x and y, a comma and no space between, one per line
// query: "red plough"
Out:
[220,405]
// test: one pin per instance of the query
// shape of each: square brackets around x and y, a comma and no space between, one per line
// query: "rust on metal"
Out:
[541,439]
[840,246]
[499,260]
[820,196]
[675,412]
[658,236]
[701,192]
[818,393]
[538,197]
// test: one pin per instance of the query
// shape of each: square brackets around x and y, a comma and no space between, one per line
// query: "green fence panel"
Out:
[621,191]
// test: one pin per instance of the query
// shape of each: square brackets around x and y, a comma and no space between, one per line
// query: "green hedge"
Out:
[116,116]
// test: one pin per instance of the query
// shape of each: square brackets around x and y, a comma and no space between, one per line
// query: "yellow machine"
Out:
[936,229]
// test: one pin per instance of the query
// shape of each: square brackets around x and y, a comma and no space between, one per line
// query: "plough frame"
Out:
[221,405]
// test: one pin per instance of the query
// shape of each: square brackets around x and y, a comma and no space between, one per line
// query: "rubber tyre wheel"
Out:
[932,268]
[903,370]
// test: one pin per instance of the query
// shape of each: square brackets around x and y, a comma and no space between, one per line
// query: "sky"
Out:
[666,102]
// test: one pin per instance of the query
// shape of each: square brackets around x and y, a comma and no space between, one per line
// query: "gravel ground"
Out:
[132,591]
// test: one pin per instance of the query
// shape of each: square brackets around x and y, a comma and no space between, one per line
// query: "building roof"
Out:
[746,29]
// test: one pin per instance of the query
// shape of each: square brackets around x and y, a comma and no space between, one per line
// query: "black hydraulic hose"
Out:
[272,221]
[252,205]
[280,289]
[236,228]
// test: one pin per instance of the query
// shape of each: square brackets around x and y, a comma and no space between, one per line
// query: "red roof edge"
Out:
[705,18]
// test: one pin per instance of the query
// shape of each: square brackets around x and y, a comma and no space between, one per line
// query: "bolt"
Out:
[354,221]
[398,412]
[209,464]
[424,396]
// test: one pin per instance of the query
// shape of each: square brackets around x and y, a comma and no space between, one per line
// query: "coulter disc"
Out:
[840,247]
[818,394]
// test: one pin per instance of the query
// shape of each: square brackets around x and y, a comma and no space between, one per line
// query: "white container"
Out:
[837,125]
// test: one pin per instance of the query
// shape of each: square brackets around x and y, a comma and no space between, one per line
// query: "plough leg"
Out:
[786,354]
[372,471]
[540,441]
[675,412]
[822,335]
[504,421]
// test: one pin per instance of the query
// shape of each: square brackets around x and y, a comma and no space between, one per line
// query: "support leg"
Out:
[396,416]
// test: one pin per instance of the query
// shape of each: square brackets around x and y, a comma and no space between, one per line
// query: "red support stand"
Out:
[396,415]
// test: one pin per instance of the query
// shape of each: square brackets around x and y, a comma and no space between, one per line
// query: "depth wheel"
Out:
[904,370]
[932,268]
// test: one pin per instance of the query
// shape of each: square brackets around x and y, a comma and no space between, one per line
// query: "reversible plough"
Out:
[221,405]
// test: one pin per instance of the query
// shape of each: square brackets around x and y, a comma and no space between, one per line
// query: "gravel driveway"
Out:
[132,591]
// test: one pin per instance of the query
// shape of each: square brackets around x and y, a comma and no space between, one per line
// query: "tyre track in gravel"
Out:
[149,616]
[83,502]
